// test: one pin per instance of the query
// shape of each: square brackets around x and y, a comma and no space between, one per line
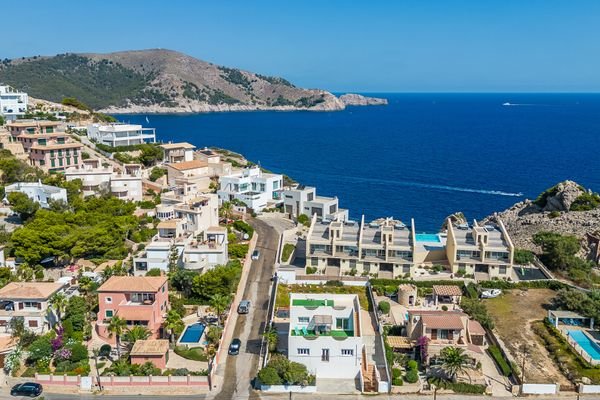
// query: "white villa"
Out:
[304,200]
[121,134]
[13,104]
[178,152]
[38,192]
[96,178]
[189,225]
[29,300]
[325,334]
[255,188]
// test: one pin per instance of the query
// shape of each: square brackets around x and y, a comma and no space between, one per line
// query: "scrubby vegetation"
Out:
[586,202]
[523,257]
[281,371]
[500,361]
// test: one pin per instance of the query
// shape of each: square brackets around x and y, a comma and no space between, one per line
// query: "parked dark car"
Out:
[30,389]
[234,347]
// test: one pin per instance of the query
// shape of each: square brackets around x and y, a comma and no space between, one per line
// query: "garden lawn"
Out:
[195,353]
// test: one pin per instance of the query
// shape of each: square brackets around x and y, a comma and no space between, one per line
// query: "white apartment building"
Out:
[127,185]
[486,251]
[13,104]
[336,248]
[178,152]
[304,200]
[190,225]
[191,176]
[29,300]
[120,134]
[38,192]
[325,334]
[95,178]
[255,188]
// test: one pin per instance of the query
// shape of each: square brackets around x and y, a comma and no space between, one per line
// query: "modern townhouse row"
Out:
[389,249]
[13,104]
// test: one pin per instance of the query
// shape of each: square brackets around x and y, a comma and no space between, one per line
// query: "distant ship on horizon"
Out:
[506,104]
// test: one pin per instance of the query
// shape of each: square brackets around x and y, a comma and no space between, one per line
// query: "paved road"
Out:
[241,369]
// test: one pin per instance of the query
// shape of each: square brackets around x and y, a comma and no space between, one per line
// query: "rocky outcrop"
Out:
[352,99]
[458,218]
[550,212]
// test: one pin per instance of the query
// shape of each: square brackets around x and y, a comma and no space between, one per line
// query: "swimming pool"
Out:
[192,333]
[428,237]
[586,344]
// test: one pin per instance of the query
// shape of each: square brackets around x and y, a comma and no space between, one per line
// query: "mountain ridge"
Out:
[158,81]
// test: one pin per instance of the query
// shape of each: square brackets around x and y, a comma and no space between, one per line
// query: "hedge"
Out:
[462,387]
[384,307]
[545,284]
[425,284]
[500,361]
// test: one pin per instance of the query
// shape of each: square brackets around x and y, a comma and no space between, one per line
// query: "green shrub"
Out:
[288,249]
[242,226]
[157,173]
[411,376]
[554,214]
[397,381]
[78,352]
[500,361]
[195,353]
[586,202]
[523,256]
[412,365]
[463,387]
[237,250]
[269,376]
[154,272]
[396,372]
[384,307]
[304,220]
[311,270]
[472,291]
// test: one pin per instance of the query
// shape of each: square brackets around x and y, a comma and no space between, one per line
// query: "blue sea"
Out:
[424,156]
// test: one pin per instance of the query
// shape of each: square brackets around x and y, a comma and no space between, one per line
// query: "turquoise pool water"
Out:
[590,347]
[192,333]
[427,237]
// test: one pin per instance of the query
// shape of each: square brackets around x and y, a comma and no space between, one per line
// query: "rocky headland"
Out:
[353,99]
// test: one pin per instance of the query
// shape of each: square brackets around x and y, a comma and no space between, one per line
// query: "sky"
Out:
[352,45]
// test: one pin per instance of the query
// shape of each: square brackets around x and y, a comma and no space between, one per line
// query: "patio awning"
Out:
[400,342]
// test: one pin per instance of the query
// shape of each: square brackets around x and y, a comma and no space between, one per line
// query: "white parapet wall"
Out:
[589,389]
[537,388]
[288,389]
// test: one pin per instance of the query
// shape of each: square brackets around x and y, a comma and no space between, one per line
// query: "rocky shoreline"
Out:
[330,103]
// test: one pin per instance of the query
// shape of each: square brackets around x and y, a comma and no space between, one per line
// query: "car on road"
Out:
[30,389]
[255,255]
[244,307]
[234,347]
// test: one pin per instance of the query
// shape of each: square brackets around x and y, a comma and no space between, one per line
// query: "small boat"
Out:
[490,294]
[506,104]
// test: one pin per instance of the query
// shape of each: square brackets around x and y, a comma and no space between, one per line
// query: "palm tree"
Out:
[226,209]
[272,338]
[59,302]
[116,327]
[219,303]
[96,354]
[438,382]
[174,324]
[136,333]
[454,361]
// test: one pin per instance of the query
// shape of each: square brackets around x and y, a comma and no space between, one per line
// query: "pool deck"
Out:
[591,335]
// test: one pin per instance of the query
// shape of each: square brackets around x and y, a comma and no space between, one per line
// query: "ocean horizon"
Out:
[423,156]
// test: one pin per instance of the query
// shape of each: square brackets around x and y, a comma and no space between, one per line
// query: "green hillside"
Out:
[98,84]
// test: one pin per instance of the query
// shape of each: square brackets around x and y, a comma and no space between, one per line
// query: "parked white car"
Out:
[491,293]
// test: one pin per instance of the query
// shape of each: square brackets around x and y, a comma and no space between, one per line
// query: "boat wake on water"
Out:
[422,185]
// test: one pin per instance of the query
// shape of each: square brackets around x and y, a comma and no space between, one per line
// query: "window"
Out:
[314,261]
[33,323]
[303,352]
[347,352]
[53,163]
[42,142]
[442,334]
[342,323]
[108,300]
[109,313]
[502,270]
[42,162]
[352,264]
[325,355]
[30,304]
[162,289]
[303,320]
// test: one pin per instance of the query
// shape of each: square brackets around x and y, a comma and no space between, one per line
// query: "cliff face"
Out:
[158,81]
[352,99]
[552,211]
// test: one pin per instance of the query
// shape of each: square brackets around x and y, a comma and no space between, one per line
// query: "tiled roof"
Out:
[154,347]
[182,145]
[134,313]
[183,166]
[133,284]
[447,290]
[29,290]
[475,328]
[445,320]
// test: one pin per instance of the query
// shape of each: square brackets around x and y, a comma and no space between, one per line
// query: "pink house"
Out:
[140,300]
[156,351]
